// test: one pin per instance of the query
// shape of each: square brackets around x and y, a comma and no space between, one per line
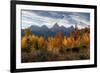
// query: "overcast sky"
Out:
[49,18]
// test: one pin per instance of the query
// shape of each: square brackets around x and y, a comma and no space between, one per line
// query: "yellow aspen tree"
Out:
[23,42]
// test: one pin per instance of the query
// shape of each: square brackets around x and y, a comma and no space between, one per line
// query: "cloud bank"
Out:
[49,18]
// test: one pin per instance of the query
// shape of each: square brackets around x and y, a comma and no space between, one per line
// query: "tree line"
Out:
[78,38]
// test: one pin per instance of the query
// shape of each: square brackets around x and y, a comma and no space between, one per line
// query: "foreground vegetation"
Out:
[58,48]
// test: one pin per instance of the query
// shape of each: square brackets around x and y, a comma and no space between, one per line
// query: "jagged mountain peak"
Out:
[45,31]
[56,25]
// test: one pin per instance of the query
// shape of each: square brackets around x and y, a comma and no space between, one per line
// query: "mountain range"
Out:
[45,31]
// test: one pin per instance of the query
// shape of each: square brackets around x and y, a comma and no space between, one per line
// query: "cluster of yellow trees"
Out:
[56,43]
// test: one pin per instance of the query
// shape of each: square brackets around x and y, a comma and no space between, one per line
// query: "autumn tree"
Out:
[51,43]
[85,39]
[27,32]
[34,42]
[23,42]
[26,42]
[65,42]
[41,43]
[59,39]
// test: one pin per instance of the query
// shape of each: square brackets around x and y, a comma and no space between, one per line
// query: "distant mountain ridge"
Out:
[45,31]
